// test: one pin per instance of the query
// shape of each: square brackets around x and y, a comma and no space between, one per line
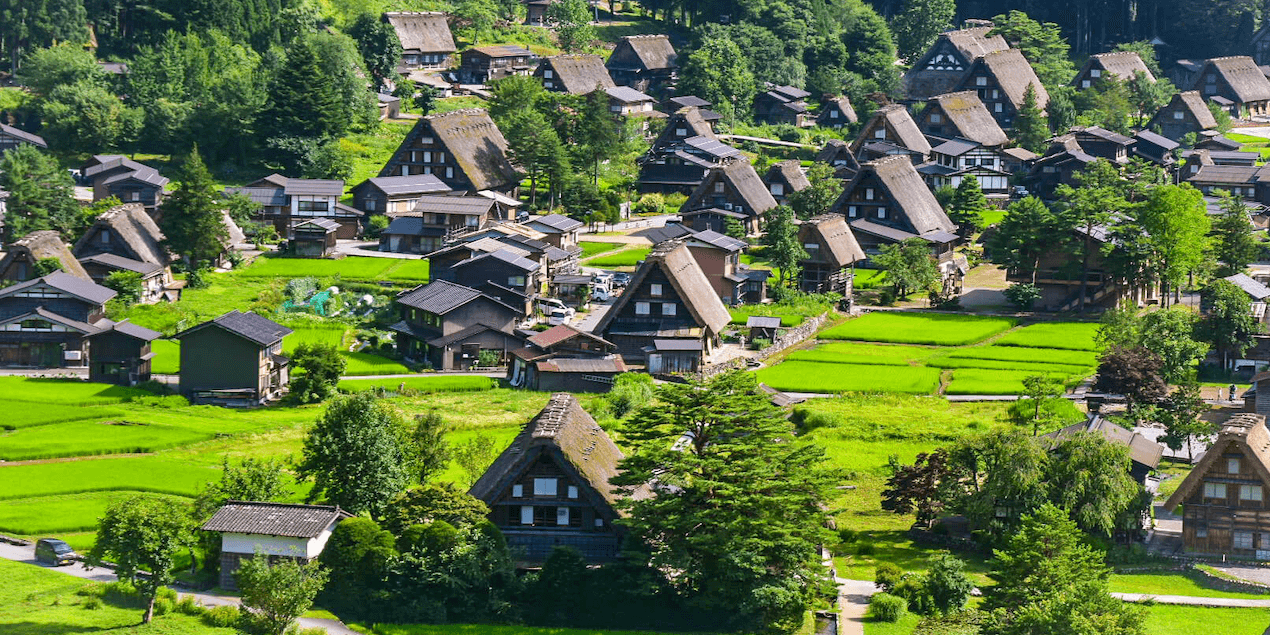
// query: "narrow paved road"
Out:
[853,603]
[1193,600]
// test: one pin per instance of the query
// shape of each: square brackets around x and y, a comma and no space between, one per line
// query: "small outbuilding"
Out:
[314,238]
[277,530]
[121,354]
[763,327]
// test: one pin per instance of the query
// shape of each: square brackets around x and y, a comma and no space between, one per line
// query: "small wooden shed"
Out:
[314,238]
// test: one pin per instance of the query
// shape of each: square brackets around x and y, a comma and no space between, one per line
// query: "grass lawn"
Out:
[57,514]
[624,258]
[145,474]
[167,357]
[351,268]
[869,278]
[1164,619]
[35,600]
[306,332]
[370,150]
[904,626]
[489,629]
[824,377]
[992,216]
[427,383]
[590,249]
[1064,335]
[1173,583]
[790,316]
[860,353]
[908,328]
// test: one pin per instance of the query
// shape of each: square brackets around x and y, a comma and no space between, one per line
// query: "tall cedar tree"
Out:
[41,194]
[968,206]
[1227,323]
[535,147]
[1233,242]
[919,23]
[359,455]
[1024,235]
[1089,206]
[192,221]
[142,536]
[1030,127]
[1049,581]
[305,101]
[738,507]
[380,48]
[597,132]
[27,26]
[819,197]
[783,249]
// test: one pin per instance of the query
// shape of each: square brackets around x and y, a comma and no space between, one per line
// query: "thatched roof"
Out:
[688,281]
[1192,101]
[643,52]
[966,112]
[577,74]
[562,428]
[688,119]
[1242,74]
[131,224]
[738,176]
[841,104]
[425,32]
[900,127]
[1243,433]
[789,172]
[476,144]
[905,186]
[1013,74]
[233,233]
[1118,64]
[838,246]
[37,246]
[975,42]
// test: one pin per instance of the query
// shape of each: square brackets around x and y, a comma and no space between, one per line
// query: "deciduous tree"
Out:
[321,366]
[783,249]
[1089,479]
[1136,373]
[819,197]
[359,455]
[717,72]
[141,535]
[1175,223]
[1040,390]
[572,21]
[922,488]
[432,452]
[909,267]
[380,48]
[1227,323]
[1234,245]
[278,593]
[1180,413]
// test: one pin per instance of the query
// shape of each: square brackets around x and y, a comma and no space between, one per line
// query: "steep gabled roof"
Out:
[274,519]
[741,177]
[412,184]
[975,42]
[1192,102]
[966,112]
[476,144]
[56,318]
[789,171]
[840,103]
[44,244]
[1013,74]
[1244,432]
[688,119]
[67,283]
[1120,64]
[688,281]
[1141,449]
[249,326]
[131,224]
[426,32]
[23,135]
[118,168]
[1242,74]
[895,118]
[564,427]
[579,74]
[832,232]
[643,52]
[916,202]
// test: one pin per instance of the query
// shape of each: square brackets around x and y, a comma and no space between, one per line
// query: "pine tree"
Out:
[597,131]
[192,217]
[1234,245]
[1029,126]
[968,206]
[304,99]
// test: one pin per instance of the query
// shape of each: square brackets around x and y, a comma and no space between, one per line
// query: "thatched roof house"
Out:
[426,41]
[784,178]
[463,148]
[1184,114]
[573,74]
[832,252]
[126,231]
[838,154]
[948,60]
[19,260]
[552,485]
[1121,65]
[961,114]
[642,61]
[1236,78]
[836,112]
[889,201]
[893,124]
[1001,78]
[732,186]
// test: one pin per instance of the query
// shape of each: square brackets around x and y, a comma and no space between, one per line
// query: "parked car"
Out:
[621,279]
[547,305]
[559,316]
[55,552]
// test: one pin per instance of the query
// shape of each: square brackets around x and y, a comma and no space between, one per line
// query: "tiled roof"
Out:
[63,281]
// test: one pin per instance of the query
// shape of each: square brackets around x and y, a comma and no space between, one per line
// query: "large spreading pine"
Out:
[738,511]
[192,217]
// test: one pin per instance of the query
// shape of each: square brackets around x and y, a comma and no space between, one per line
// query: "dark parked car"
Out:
[54,552]
[621,279]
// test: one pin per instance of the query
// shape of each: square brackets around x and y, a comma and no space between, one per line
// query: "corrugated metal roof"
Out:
[274,519]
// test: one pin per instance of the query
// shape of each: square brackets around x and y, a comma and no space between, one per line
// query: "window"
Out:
[518,490]
[105,235]
[449,173]
[1232,464]
[1095,73]
[1241,539]
[881,213]
[36,325]
[642,308]
[515,281]
[981,81]
[655,289]
[547,84]
[134,196]
[880,133]
[1214,490]
[1177,114]
[681,132]
[562,516]
[718,187]
[668,309]
[852,210]
[996,94]
[1084,83]
[547,73]
[371,204]
[833,114]
[999,107]
[778,189]
[599,522]
[1250,493]
[544,487]
[1201,532]
[526,515]
[573,491]
[868,193]
[936,118]
[427,157]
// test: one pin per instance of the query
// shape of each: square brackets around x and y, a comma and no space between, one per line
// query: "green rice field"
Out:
[433,383]
[859,353]
[57,514]
[64,391]
[592,248]
[364,268]
[624,258]
[167,357]
[87,438]
[167,360]
[824,377]
[19,414]
[141,474]
[983,381]
[906,328]
[1062,335]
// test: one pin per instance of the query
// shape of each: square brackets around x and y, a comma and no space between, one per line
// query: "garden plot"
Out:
[907,328]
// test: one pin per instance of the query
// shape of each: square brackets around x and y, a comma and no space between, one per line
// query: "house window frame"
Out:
[655,289]
[643,308]
[546,487]
[518,490]
[668,309]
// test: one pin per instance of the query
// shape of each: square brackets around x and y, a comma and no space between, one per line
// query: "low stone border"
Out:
[15,541]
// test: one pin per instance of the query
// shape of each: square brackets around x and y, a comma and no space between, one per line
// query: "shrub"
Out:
[222,616]
[630,391]
[92,603]
[760,343]
[650,204]
[378,223]
[787,132]
[197,279]
[188,606]
[887,607]
[888,576]
[1022,295]
[864,549]
[163,606]
[299,289]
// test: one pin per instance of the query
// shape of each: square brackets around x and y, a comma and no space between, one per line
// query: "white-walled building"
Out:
[278,530]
